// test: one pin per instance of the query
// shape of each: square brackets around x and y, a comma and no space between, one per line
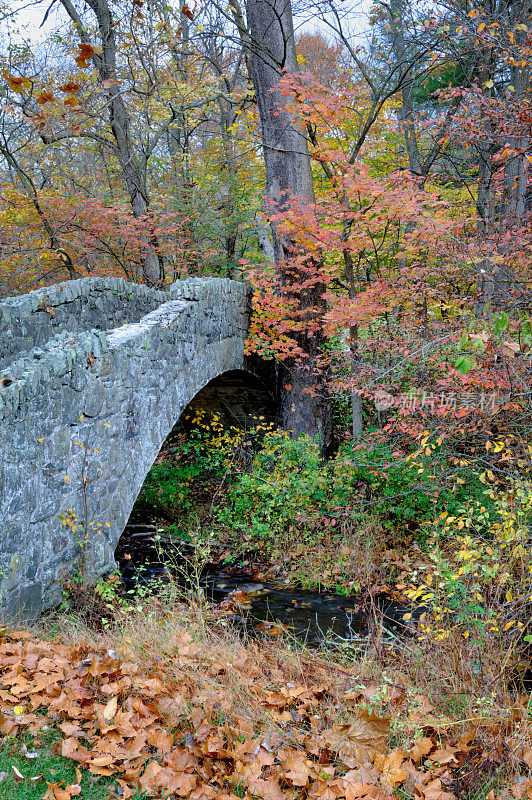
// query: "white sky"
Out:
[32,15]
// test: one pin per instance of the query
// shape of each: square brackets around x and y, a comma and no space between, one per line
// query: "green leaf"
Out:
[500,323]
[464,364]
[526,332]
[463,341]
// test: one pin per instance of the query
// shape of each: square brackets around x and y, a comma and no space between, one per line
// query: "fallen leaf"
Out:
[56,791]
[125,791]
[445,756]
[390,766]
[110,710]
[297,769]
[358,742]
[510,349]
[71,748]
[420,748]
[434,791]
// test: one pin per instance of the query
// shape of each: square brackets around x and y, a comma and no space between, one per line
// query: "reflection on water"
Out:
[146,556]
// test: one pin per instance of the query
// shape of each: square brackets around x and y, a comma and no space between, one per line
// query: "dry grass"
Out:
[219,657]
[350,555]
[459,680]
[445,691]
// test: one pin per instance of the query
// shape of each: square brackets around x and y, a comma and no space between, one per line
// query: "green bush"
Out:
[281,492]
[289,487]
[405,492]
[286,481]
[170,489]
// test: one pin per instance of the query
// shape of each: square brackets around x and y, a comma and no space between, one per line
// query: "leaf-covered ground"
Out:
[180,710]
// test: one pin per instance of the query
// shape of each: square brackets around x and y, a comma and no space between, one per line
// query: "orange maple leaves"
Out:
[160,732]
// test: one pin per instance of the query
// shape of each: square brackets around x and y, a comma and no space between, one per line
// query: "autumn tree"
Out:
[191,120]
[268,36]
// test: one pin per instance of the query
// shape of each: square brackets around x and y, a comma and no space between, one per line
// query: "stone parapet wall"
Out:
[82,419]
[30,320]
[29,375]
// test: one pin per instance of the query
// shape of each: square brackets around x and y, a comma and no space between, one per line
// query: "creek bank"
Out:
[248,597]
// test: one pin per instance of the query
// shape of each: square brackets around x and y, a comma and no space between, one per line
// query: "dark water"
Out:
[146,557]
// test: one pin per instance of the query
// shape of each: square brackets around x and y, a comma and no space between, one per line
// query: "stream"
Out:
[146,555]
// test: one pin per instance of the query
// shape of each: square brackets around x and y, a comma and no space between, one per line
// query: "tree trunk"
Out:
[264,239]
[270,49]
[514,198]
[516,171]
[119,120]
[357,422]
[404,65]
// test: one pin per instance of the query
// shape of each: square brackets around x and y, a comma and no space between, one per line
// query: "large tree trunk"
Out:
[270,50]
[405,68]
[516,171]
[495,283]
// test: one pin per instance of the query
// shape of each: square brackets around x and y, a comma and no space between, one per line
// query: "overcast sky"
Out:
[32,14]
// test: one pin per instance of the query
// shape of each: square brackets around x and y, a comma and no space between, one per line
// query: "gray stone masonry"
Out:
[85,405]
[30,320]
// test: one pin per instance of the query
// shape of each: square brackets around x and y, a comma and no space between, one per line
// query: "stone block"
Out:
[24,604]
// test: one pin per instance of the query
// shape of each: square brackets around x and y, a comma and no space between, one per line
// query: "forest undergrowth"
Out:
[167,702]
[164,699]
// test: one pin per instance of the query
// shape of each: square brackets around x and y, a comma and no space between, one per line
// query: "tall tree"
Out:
[268,37]
[105,61]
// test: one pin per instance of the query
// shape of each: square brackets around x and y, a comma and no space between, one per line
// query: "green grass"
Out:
[51,767]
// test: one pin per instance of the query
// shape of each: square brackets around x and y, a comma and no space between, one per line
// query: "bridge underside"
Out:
[238,397]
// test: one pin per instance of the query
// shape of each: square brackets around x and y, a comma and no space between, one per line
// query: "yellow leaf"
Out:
[390,767]
[110,709]
[421,747]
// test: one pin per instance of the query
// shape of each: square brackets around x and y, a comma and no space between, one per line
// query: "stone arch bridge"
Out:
[94,374]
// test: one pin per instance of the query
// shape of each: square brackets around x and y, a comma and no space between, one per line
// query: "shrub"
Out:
[208,452]
[286,482]
[407,492]
[476,580]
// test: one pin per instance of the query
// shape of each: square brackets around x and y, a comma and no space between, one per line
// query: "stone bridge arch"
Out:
[240,396]
[84,413]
